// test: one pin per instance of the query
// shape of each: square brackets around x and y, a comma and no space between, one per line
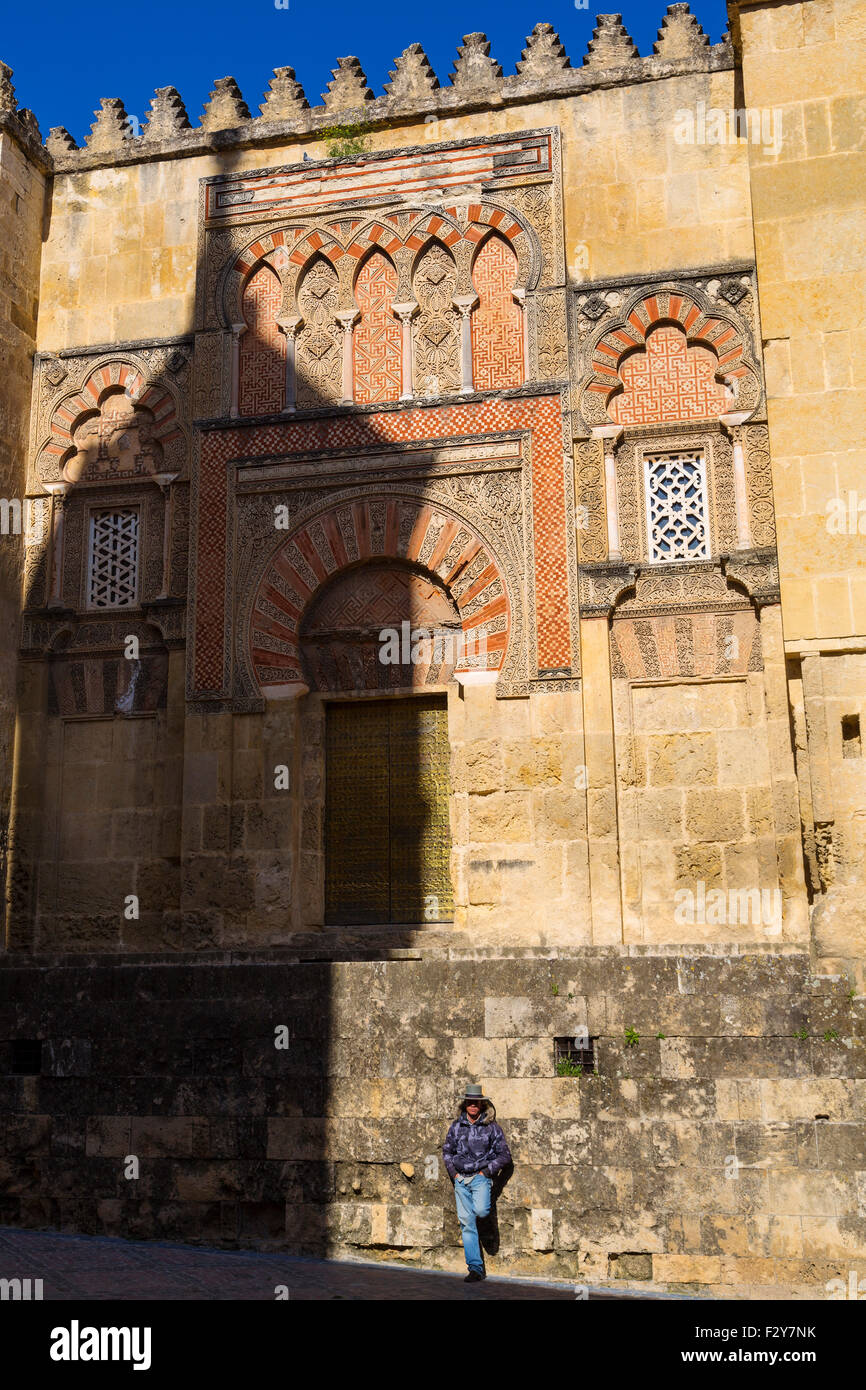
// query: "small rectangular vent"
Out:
[851,747]
[574,1056]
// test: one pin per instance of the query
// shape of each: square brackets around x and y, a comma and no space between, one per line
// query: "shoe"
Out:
[473,1277]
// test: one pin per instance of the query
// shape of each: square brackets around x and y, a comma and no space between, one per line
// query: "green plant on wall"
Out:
[343,141]
[631,1037]
[565,1067]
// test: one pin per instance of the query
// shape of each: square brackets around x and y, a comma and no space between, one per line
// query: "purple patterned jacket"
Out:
[472,1148]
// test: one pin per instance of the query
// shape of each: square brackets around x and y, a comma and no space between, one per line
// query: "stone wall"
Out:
[717,1154]
[807,63]
[22,205]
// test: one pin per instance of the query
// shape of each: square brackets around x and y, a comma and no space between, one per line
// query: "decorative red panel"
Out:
[262,372]
[377,336]
[497,323]
[670,381]
[539,416]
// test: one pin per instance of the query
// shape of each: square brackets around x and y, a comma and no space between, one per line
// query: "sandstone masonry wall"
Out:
[717,1155]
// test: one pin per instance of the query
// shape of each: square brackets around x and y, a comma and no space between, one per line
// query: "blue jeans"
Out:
[473,1200]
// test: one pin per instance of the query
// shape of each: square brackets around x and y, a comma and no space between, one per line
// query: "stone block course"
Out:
[720,1175]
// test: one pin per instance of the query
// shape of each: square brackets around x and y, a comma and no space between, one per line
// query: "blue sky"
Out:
[66,56]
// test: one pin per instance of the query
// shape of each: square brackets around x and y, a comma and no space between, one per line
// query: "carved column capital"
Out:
[290,324]
[465,303]
[406,311]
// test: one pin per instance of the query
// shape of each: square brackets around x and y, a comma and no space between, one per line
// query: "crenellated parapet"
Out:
[20,123]
[544,71]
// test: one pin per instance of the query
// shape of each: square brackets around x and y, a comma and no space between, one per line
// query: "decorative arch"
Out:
[377,337]
[262,347]
[701,326]
[498,358]
[273,249]
[485,218]
[402,529]
[340,631]
[87,433]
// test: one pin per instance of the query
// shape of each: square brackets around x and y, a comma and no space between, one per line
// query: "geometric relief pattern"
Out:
[688,644]
[677,511]
[377,336]
[437,325]
[262,364]
[497,323]
[339,634]
[539,416]
[113,570]
[670,381]
[320,349]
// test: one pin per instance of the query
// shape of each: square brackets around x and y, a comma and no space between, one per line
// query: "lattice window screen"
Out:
[113,569]
[676,506]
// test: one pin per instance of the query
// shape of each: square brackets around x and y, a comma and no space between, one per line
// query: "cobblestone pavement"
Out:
[95,1267]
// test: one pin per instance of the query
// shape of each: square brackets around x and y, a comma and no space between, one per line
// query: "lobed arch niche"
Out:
[378,314]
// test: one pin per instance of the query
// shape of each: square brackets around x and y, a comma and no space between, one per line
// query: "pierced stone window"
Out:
[677,511]
[112,572]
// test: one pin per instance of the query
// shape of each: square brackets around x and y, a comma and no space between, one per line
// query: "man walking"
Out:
[474,1151]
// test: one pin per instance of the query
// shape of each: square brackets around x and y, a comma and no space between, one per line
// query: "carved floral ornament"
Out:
[402,236]
[717,337]
[117,426]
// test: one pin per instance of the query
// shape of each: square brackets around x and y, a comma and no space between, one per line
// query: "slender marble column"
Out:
[405,313]
[520,297]
[465,303]
[59,493]
[237,330]
[346,319]
[291,326]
